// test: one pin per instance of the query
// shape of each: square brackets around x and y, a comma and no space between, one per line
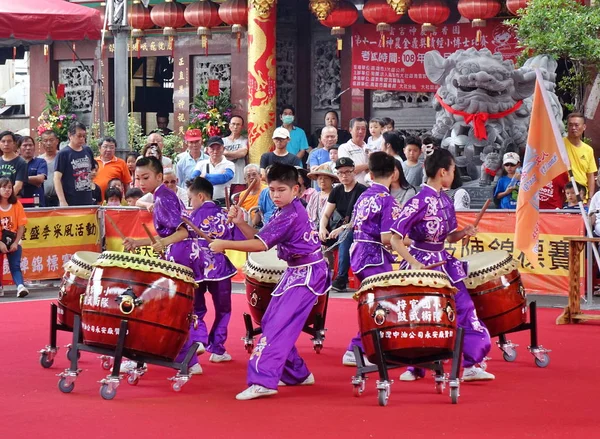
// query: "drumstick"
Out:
[149,233]
[199,232]
[227,200]
[242,197]
[465,240]
[112,223]
[437,264]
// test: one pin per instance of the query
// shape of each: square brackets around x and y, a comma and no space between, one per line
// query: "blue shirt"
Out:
[318,157]
[185,167]
[297,141]
[266,205]
[36,166]
[509,201]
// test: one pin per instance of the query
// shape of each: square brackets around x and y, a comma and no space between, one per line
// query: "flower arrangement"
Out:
[211,114]
[57,114]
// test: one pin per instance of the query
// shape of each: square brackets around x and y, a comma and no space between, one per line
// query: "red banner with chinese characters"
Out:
[397,65]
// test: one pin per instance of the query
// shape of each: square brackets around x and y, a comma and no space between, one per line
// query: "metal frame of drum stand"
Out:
[317,331]
[108,388]
[384,364]
[540,353]
[48,353]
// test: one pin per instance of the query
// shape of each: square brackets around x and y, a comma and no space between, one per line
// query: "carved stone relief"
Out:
[79,87]
[326,75]
[212,67]
[286,72]
[396,99]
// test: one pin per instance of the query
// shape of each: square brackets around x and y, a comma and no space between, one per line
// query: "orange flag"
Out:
[545,159]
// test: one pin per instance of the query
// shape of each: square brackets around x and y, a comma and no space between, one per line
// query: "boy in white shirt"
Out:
[375,141]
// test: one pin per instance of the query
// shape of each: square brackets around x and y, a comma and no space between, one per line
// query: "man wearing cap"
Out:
[508,186]
[110,166]
[339,207]
[187,160]
[281,137]
[217,169]
[355,148]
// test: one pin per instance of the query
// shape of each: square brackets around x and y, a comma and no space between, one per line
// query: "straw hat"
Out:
[323,170]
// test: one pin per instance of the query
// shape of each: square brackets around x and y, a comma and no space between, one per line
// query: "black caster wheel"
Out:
[64,387]
[70,352]
[454,395]
[543,362]
[383,397]
[510,356]
[133,381]
[176,387]
[46,362]
[107,393]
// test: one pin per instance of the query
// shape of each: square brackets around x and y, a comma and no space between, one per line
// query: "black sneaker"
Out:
[339,284]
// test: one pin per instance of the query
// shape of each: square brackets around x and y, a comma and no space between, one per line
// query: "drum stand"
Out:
[48,353]
[317,331]
[509,352]
[108,388]
[384,364]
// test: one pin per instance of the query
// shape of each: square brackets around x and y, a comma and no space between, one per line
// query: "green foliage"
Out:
[211,114]
[173,144]
[56,115]
[136,139]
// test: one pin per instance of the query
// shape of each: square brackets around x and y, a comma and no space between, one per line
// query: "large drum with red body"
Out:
[263,271]
[155,296]
[495,286]
[74,282]
[413,311]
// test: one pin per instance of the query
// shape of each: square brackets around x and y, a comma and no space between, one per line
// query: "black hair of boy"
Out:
[438,159]
[285,174]
[113,192]
[134,192]
[8,133]
[413,140]
[381,164]
[150,162]
[200,185]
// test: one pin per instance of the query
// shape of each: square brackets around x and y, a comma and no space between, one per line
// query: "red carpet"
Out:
[524,401]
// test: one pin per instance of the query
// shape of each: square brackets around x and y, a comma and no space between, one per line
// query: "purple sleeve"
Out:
[167,213]
[235,234]
[391,209]
[278,229]
[412,212]
[452,222]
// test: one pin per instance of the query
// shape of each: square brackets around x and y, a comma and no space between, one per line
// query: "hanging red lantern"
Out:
[203,14]
[429,14]
[478,11]
[344,15]
[514,5]
[139,19]
[169,16]
[235,14]
[381,14]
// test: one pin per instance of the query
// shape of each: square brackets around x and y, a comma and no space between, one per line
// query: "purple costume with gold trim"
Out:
[275,357]
[428,218]
[217,273]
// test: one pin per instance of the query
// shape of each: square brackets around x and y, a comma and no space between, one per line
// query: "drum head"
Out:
[419,278]
[265,266]
[81,264]
[486,266]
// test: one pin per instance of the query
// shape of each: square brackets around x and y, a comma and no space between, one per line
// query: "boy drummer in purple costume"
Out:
[373,216]
[429,219]
[275,360]
[172,233]
[218,270]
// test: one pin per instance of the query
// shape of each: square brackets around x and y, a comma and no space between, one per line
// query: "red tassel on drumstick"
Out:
[465,240]
[199,232]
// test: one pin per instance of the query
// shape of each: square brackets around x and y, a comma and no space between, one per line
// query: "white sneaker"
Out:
[216,358]
[409,376]
[349,359]
[475,373]
[255,391]
[22,291]
[201,349]
[127,365]
[309,381]
[196,369]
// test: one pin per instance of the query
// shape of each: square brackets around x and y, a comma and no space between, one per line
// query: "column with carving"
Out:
[262,75]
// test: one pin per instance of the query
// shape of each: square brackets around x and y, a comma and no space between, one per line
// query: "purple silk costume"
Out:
[217,272]
[275,357]
[428,218]
[373,215]
[166,215]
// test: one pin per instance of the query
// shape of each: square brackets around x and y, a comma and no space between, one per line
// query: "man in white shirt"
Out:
[187,160]
[236,150]
[217,169]
[355,148]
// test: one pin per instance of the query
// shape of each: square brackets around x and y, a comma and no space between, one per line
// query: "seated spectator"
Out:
[37,170]
[251,172]
[507,187]
[306,191]
[156,138]
[401,189]
[133,194]
[113,197]
[321,155]
[265,206]
[171,181]
[151,149]
[217,169]
[572,203]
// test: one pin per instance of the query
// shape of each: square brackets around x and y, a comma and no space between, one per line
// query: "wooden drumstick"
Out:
[227,200]
[199,232]
[465,240]
[112,223]
[437,264]
[243,196]
[149,233]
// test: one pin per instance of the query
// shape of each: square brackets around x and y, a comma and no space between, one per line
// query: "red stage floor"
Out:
[524,401]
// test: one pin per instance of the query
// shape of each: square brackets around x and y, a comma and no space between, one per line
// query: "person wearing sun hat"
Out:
[508,185]
[325,179]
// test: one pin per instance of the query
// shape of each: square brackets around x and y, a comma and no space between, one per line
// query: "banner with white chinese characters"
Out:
[496,232]
[397,64]
[50,239]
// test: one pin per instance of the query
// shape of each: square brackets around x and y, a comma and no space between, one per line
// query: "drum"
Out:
[74,282]
[263,271]
[495,286]
[155,296]
[413,311]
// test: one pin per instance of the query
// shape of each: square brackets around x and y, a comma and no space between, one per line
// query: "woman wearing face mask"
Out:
[298,145]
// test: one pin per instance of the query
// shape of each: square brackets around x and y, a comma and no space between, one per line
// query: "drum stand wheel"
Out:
[108,388]
[358,383]
[48,353]
[106,361]
[66,384]
[384,388]
[454,393]
[69,353]
[47,356]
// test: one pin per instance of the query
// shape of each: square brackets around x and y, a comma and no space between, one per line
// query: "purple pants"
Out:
[184,350]
[477,342]
[221,296]
[275,357]
[361,275]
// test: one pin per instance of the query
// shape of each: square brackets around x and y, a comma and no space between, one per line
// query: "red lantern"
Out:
[203,14]
[478,11]
[514,5]
[344,15]
[139,20]
[381,14]
[169,16]
[429,14]
[235,14]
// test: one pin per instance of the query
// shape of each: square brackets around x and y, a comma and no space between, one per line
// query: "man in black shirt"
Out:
[12,166]
[340,205]
[281,138]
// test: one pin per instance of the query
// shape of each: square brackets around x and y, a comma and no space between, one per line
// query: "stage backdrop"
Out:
[397,65]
